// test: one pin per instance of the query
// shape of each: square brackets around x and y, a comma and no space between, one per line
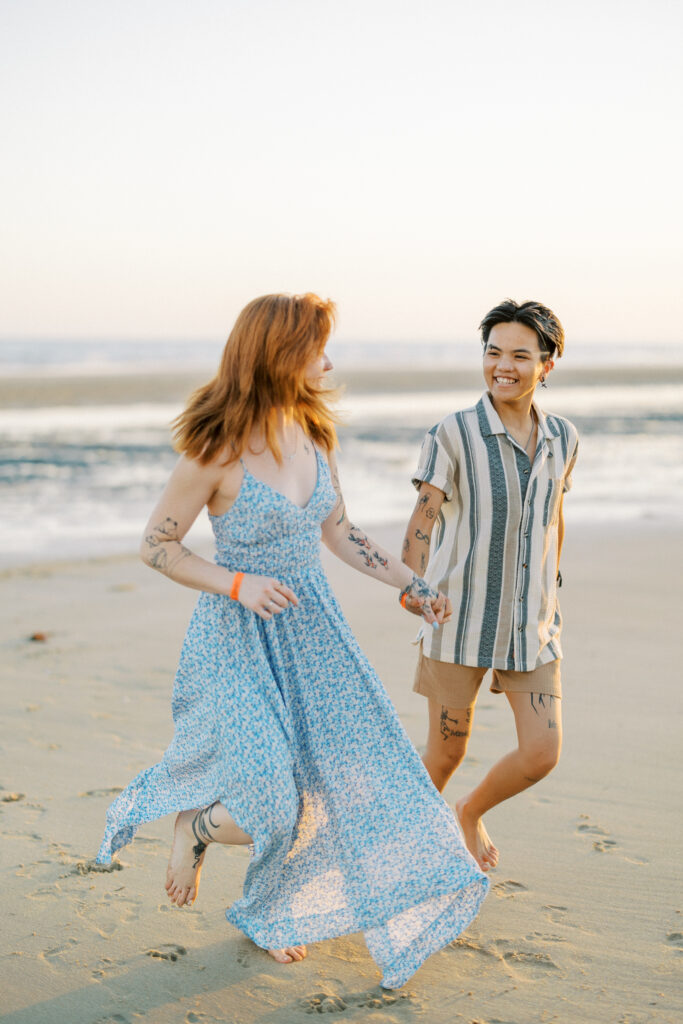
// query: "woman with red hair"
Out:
[284,736]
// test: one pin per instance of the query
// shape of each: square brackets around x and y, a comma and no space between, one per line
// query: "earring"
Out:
[542,381]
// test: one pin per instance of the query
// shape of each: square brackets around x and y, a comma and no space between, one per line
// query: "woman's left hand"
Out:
[420,599]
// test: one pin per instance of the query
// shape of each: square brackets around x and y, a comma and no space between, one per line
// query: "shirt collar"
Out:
[490,422]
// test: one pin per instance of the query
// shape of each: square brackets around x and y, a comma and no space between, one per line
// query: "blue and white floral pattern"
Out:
[287,724]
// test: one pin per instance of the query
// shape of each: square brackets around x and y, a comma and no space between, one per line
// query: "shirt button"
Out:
[520,628]
[526,471]
[525,565]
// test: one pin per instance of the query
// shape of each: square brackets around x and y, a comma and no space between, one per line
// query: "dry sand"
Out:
[584,920]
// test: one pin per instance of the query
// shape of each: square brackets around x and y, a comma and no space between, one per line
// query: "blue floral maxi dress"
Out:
[287,724]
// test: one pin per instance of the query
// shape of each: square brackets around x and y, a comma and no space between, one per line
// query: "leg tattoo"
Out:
[201,823]
[447,725]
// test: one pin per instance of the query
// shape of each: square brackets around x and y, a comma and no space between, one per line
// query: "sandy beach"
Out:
[171,386]
[584,921]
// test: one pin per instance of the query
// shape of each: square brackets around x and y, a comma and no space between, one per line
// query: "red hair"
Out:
[262,369]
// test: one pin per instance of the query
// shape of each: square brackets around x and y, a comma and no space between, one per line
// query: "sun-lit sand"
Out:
[583,923]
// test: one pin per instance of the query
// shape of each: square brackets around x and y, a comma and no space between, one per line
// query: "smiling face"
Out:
[514,362]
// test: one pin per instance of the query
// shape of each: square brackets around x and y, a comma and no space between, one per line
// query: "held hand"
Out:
[420,599]
[442,608]
[265,596]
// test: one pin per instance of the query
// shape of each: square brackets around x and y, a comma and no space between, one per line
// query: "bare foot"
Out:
[185,862]
[477,839]
[288,954]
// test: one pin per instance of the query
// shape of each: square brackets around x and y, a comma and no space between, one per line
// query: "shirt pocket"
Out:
[552,501]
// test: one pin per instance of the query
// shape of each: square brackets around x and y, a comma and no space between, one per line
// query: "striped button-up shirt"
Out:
[494,547]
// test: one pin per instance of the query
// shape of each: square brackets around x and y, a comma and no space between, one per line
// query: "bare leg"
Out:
[447,738]
[538,720]
[449,733]
[193,832]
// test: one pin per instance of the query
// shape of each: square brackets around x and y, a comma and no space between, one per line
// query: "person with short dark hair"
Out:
[492,478]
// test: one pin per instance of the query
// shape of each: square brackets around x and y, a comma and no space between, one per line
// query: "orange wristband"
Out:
[236,584]
[402,600]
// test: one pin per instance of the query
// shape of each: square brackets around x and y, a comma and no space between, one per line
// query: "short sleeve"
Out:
[567,486]
[435,466]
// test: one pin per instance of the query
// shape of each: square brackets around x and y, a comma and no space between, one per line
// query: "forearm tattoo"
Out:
[372,559]
[201,824]
[423,538]
[166,550]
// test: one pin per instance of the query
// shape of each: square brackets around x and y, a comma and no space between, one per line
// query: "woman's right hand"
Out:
[265,595]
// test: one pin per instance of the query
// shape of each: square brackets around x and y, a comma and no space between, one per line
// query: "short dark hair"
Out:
[539,318]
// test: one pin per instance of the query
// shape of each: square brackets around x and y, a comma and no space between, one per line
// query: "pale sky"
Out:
[164,162]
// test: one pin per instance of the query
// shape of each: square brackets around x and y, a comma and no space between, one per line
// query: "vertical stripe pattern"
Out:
[494,550]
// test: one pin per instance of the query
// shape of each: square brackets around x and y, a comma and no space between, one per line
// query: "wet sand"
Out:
[584,923]
[122,389]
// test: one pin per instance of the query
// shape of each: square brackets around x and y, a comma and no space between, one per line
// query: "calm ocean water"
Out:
[82,480]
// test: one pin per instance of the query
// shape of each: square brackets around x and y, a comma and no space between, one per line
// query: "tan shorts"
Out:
[456,686]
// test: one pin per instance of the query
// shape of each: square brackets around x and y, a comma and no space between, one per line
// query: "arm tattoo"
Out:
[422,502]
[406,546]
[168,530]
[162,535]
[422,536]
[371,558]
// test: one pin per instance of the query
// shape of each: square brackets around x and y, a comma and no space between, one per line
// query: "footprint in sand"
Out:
[91,867]
[491,1020]
[245,957]
[375,999]
[600,836]
[504,890]
[55,954]
[604,845]
[11,798]
[470,946]
[112,791]
[104,970]
[528,958]
[543,937]
[675,939]
[556,914]
[167,952]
